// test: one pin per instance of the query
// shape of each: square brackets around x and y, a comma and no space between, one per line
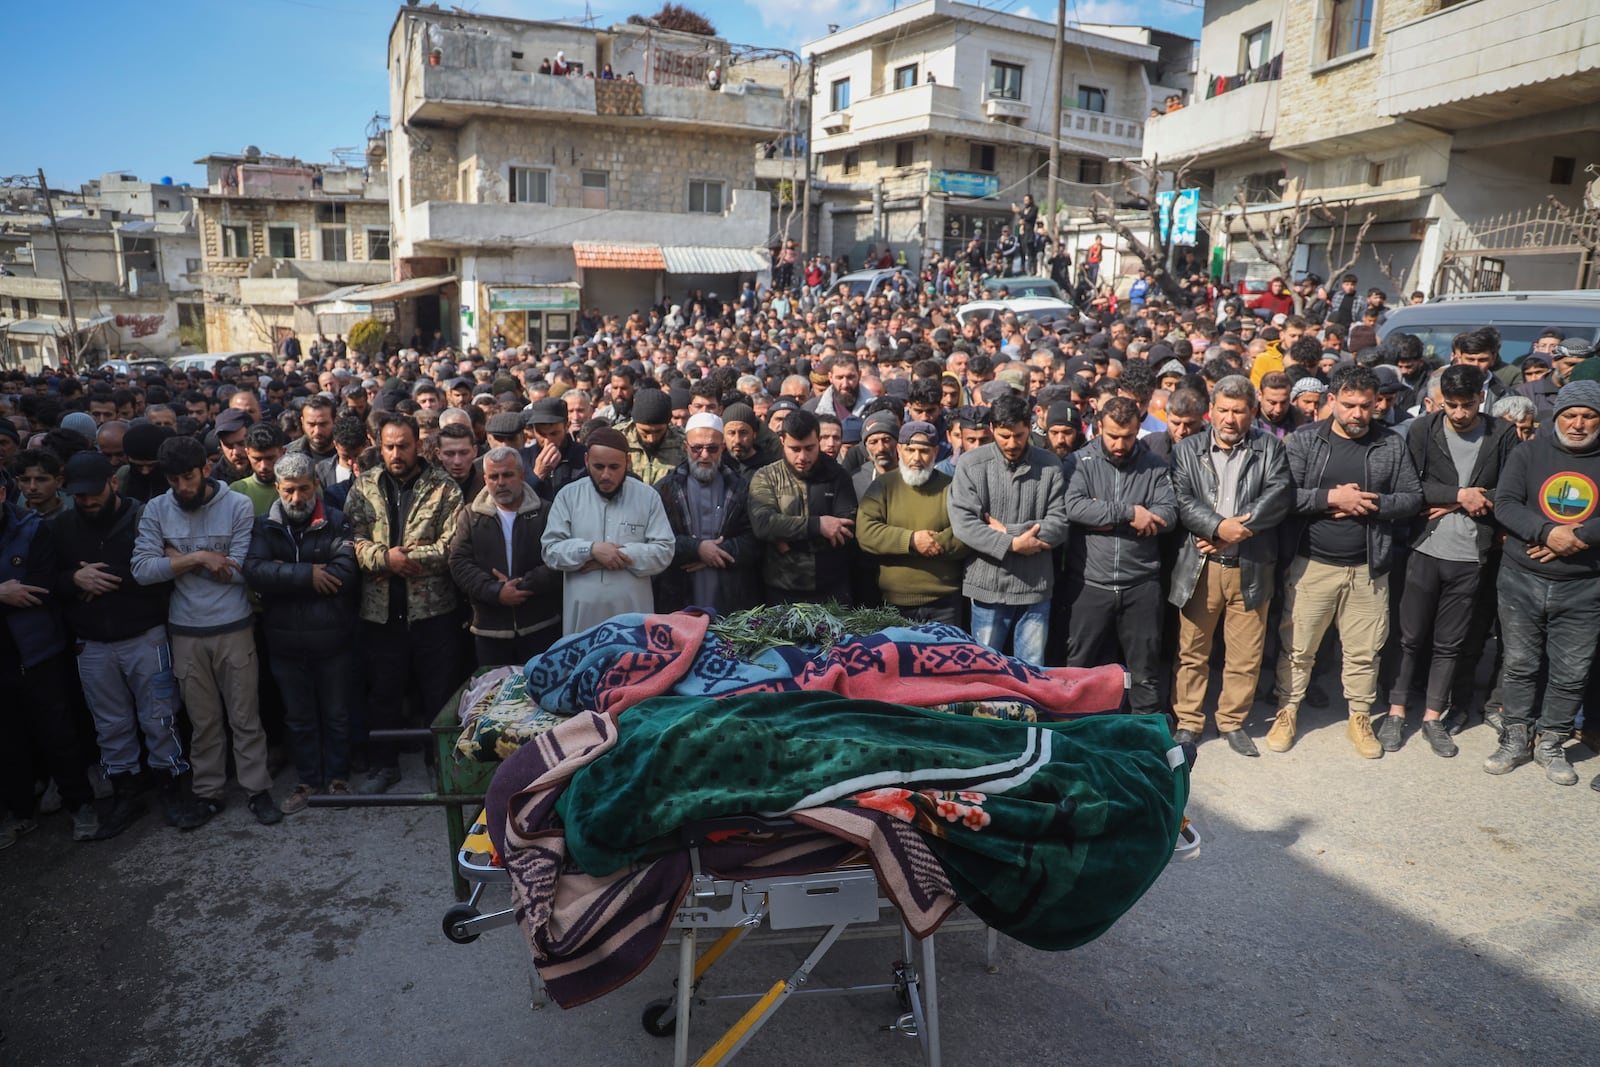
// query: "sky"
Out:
[148,90]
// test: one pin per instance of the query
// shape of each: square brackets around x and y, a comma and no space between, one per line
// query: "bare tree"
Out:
[1343,229]
[1151,249]
[1276,234]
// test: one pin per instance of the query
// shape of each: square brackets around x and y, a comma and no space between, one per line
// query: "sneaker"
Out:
[85,823]
[262,807]
[1391,732]
[50,799]
[12,829]
[297,801]
[1359,730]
[1281,737]
[381,780]
[1437,734]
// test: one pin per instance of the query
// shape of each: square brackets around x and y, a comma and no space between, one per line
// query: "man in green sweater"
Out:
[904,521]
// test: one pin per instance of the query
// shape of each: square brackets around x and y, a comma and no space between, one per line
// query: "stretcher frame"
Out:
[843,902]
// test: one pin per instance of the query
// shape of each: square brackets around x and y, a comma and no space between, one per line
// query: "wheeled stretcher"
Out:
[821,909]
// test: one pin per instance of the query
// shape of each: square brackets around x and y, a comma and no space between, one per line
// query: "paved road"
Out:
[1409,910]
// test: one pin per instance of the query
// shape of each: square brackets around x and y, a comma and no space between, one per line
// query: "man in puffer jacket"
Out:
[302,563]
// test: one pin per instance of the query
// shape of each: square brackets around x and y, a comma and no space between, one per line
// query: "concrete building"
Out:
[931,120]
[538,195]
[133,266]
[1467,129]
[277,234]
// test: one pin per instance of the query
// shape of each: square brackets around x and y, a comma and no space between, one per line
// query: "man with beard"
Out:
[1232,483]
[141,480]
[655,446]
[108,442]
[403,515]
[126,662]
[1277,413]
[1119,496]
[749,444]
[231,427]
[1063,427]
[1549,596]
[196,537]
[803,509]
[1354,480]
[302,564]
[554,458]
[715,554]
[879,436]
[264,445]
[1186,415]
[842,398]
[904,523]
[1007,505]
[497,561]
[609,535]
[316,426]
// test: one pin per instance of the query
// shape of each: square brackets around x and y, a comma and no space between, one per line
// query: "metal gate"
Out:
[1475,253]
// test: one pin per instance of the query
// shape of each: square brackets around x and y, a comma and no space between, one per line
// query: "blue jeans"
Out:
[1025,624]
[1544,621]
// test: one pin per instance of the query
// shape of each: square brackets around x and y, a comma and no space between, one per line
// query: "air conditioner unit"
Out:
[836,122]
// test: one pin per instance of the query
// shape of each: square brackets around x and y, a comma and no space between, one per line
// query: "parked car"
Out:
[865,283]
[133,368]
[1520,318]
[1026,286]
[210,361]
[1027,308]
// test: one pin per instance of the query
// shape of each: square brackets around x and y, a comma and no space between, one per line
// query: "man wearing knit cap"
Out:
[750,445]
[1063,427]
[715,554]
[1306,398]
[904,523]
[609,534]
[880,435]
[1549,595]
[655,446]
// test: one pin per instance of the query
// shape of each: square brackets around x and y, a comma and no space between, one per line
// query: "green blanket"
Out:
[1049,832]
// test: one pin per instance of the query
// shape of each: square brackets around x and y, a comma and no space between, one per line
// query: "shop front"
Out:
[532,314]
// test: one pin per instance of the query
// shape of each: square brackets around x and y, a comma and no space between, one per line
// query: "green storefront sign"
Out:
[533,298]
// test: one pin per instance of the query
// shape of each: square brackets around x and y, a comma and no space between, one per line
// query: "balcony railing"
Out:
[1245,118]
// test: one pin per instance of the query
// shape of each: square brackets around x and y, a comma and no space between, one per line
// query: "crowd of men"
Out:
[278,560]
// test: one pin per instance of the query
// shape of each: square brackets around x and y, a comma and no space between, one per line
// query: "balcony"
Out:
[1219,130]
[439,226]
[900,113]
[1113,132]
[1485,61]
[450,96]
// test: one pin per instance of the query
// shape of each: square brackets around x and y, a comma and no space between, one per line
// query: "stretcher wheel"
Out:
[656,1020]
[460,913]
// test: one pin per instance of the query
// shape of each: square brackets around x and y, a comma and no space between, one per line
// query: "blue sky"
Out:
[99,86]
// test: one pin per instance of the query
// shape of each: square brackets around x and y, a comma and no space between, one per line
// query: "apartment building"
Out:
[1467,129]
[931,120]
[543,193]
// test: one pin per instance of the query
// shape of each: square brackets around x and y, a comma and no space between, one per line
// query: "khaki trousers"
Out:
[215,674]
[1318,595]
[1218,598]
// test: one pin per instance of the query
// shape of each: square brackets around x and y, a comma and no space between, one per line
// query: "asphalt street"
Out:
[1409,910]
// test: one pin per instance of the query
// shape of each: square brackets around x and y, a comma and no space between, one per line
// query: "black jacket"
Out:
[573,466]
[130,609]
[1265,493]
[478,549]
[1390,474]
[1440,479]
[739,584]
[298,620]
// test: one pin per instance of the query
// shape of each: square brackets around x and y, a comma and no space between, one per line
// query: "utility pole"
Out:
[66,283]
[805,200]
[1056,88]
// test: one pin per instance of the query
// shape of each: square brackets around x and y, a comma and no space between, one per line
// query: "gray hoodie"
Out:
[200,606]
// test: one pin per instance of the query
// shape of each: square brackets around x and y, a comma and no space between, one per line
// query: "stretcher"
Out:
[819,909]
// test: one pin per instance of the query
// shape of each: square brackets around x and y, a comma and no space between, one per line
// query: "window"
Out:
[163,204]
[705,197]
[596,189]
[1091,172]
[331,213]
[1374,173]
[905,77]
[529,185]
[191,266]
[852,160]
[903,153]
[1350,28]
[335,244]
[981,158]
[236,242]
[282,242]
[378,243]
[1562,170]
[1091,99]
[839,95]
[1255,47]
[1005,80]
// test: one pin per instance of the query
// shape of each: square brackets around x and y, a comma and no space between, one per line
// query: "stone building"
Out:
[277,234]
[931,120]
[542,194]
[1464,128]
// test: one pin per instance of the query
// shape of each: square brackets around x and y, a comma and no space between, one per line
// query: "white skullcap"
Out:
[703,420]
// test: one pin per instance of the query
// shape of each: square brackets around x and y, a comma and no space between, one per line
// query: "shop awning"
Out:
[709,259]
[594,256]
[388,292]
[53,327]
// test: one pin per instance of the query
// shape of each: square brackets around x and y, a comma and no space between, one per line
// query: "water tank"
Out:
[166,179]
[252,152]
